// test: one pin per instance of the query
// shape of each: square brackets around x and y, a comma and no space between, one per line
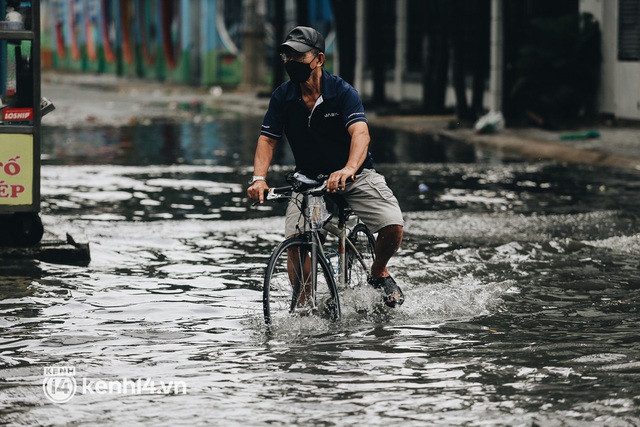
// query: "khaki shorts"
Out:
[369,197]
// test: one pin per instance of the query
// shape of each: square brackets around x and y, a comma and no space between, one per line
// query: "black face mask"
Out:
[299,72]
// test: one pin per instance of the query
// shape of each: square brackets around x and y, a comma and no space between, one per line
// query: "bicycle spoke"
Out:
[359,260]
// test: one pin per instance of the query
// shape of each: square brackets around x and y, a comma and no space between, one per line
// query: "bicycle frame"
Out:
[339,231]
[311,261]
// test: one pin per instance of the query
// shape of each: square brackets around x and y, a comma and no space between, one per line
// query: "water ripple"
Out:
[523,316]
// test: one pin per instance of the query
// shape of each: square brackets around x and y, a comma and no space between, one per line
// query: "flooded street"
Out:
[521,282]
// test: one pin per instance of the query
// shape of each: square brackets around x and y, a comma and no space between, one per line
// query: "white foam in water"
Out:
[624,244]
[600,358]
[459,299]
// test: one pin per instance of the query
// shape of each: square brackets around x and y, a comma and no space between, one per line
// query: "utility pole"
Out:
[253,44]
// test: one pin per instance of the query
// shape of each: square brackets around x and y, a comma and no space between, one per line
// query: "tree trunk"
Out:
[481,56]
[435,59]
[377,59]
[302,12]
[344,12]
[454,18]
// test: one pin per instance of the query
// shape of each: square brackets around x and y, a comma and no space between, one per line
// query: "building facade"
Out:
[620,79]
[200,42]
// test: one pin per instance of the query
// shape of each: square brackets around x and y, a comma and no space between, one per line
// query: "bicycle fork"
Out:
[314,270]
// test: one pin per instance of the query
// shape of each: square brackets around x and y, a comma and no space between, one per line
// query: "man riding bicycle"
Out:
[324,121]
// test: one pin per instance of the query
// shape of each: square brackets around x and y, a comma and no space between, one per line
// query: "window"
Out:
[628,30]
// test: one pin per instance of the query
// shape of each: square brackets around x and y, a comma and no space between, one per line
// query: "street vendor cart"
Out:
[21,111]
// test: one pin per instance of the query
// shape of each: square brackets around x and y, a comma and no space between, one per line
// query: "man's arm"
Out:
[261,162]
[360,138]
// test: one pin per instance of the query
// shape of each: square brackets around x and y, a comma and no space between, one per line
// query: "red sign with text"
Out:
[17,115]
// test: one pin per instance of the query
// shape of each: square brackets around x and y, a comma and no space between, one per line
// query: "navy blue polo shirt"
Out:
[319,139]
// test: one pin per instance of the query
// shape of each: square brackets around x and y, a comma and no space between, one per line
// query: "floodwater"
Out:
[521,281]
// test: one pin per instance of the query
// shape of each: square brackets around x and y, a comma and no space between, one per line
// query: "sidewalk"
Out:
[89,100]
[616,146]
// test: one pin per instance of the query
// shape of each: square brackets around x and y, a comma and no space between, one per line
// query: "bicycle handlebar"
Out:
[277,192]
[318,189]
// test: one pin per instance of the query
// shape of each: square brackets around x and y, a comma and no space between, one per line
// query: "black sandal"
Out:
[392,295]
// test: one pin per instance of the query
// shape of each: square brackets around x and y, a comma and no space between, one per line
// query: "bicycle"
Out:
[301,278]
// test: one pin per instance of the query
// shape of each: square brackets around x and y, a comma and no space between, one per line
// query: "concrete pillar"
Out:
[253,44]
[401,48]
[497,56]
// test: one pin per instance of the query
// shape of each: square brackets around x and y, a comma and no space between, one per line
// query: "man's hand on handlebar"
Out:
[338,180]
[257,191]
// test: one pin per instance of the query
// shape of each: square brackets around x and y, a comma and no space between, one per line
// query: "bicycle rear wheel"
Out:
[358,261]
[287,284]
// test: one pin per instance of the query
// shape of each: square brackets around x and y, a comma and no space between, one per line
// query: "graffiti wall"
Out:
[187,41]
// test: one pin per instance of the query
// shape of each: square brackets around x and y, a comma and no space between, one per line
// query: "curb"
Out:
[542,150]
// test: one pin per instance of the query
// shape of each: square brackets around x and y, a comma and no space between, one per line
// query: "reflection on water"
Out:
[224,141]
[521,279]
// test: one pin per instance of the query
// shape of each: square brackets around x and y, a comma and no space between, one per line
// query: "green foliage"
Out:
[558,69]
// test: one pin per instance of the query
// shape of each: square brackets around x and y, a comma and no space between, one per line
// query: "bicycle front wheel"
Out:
[360,255]
[288,289]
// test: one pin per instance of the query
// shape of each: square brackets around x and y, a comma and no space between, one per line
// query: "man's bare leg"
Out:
[387,244]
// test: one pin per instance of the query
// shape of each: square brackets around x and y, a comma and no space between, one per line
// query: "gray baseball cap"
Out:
[303,39]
